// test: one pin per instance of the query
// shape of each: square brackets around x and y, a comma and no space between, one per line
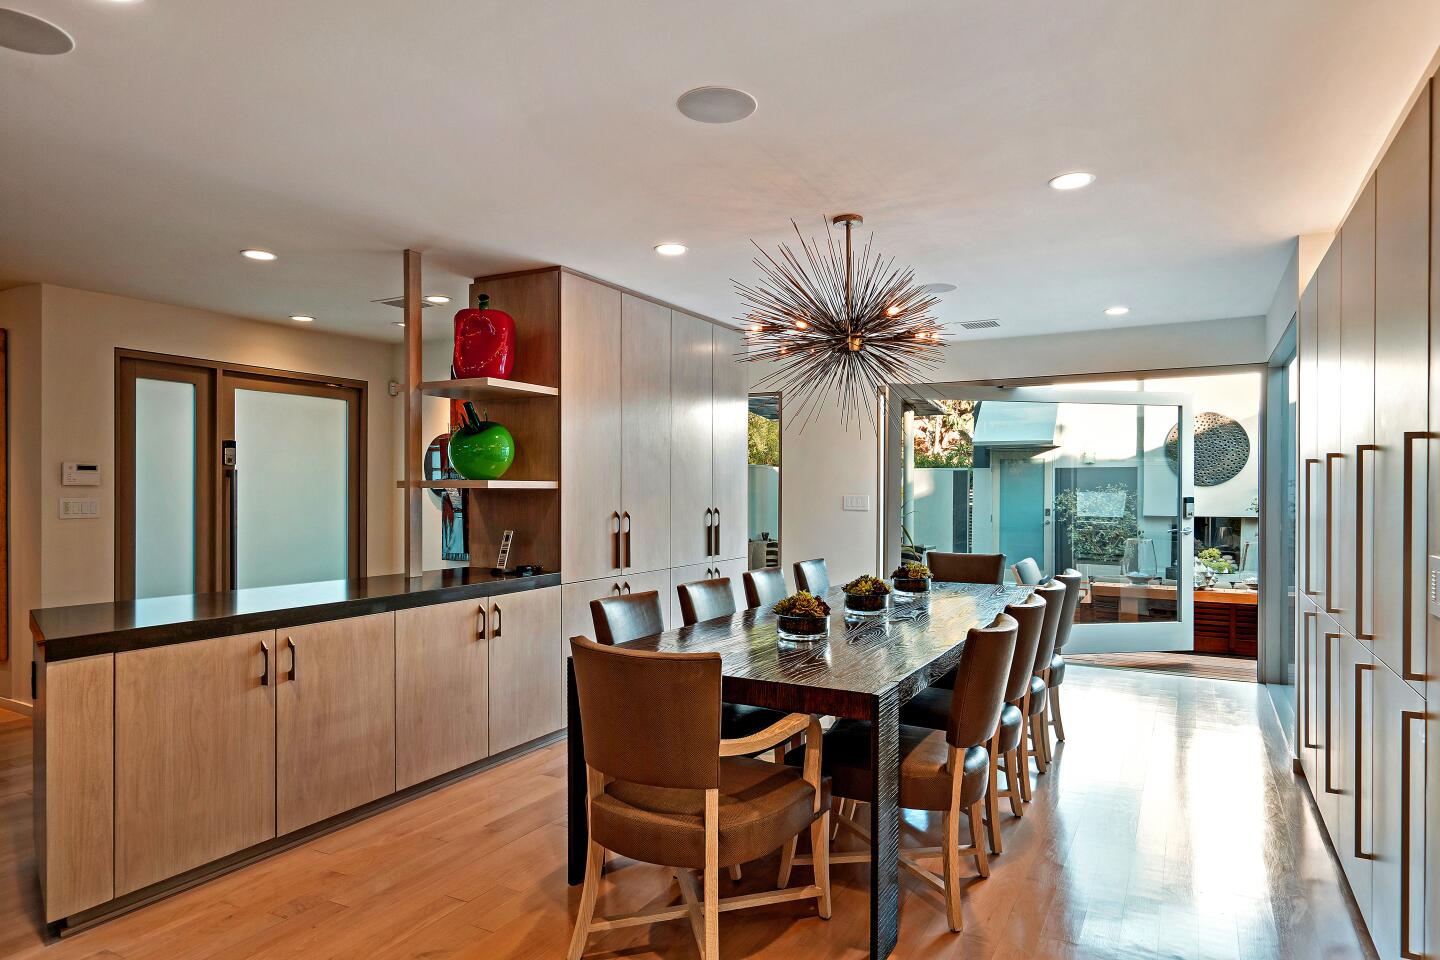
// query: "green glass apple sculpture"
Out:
[481,449]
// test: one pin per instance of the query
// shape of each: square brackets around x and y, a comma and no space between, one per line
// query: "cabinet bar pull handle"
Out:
[709,530]
[293,649]
[716,551]
[1309,530]
[1308,705]
[1407,717]
[1360,669]
[1360,529]
[265,672]
[615,588]
[483,615]
[1330,458]
[1407,561]
[625,518]
[625,588]
[615,541]
[1330,639]
[499,623]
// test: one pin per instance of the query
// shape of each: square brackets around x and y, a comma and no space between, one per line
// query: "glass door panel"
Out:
[164,488]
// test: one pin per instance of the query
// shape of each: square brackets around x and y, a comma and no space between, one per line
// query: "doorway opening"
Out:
[764,481]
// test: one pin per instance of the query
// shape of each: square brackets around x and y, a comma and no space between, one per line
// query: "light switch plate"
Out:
[855,501]
[77,508]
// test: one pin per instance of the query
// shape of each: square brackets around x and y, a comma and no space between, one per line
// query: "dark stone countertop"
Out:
[64,633]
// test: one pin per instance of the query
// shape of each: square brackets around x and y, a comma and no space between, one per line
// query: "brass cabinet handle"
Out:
[265,671]
[625,519]
[615,541]
[1407,717]
[1407,564]
[1360,608]
[293,651]
[1310,619]
[1360,669]
[1308,588]
[1330,639]
[709,531]
[483,615]
[499,623]
[1329,540]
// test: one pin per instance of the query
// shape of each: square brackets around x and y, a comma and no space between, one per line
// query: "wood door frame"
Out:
[220,379]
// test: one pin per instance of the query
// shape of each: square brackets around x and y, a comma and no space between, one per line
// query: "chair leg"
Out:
[982,860]
[1017,782]
[737,874]
[992,800]
[820,857]
[1055,717]
[950,857]
[1037,738]
[711,950]
[594,864]
[787,860]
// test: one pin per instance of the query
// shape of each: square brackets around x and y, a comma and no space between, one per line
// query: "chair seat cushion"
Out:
[738,720]
[924,779]
[1037,695]
[930,708]
[1011,729]
[1057,670]
[762,805]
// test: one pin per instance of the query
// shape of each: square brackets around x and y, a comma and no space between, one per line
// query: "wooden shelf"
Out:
[486,388]
[482,484]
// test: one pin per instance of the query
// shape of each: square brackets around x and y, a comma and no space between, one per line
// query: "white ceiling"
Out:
[497,136]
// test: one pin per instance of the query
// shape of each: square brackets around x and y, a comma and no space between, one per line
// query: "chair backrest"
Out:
[626,618]
[650,718]
[1027,572]
[764,588]
[1029,618]
[812,577]
[980,683]
[1054,594]
[966,567]
[705,600]
[1074,582]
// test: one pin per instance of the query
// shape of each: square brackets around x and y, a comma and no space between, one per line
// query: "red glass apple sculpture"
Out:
[484,342]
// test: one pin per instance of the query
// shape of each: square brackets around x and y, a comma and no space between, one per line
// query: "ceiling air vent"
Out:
[400,302]
[981,324]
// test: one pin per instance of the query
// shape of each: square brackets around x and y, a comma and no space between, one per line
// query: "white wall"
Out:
[824,461]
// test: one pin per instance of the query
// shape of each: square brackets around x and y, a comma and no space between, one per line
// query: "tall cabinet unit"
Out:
[1369,473]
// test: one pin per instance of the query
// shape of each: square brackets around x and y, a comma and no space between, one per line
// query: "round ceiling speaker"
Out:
[935,288]
[27,34]
[716,104]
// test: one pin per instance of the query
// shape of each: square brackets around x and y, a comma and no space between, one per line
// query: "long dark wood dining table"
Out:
[866,670]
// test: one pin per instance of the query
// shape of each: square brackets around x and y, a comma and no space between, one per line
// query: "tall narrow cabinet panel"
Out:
[1329,679]
[1329,486]
[1311,693]
[590,394]
[194,755]
[1352,749]
[1311,459]
[691,433]
[645,435]
[1354,524]
[1397,814]
[442,707]
[730,466]
[335,718]
[1402,339]
[1431,741]
[527,692]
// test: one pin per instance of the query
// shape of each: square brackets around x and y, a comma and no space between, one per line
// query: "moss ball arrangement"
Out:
[911,578]
[802,617]
[866,595]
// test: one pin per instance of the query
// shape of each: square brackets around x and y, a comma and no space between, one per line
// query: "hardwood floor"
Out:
[1170,826]
[1207,665]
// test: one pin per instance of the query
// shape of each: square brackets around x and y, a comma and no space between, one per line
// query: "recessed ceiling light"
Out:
[436,298]
[301,318]
[254,254]
[1072,181]
[716,104]
[938,287]
[27,34]
[671,249]
[1116,311]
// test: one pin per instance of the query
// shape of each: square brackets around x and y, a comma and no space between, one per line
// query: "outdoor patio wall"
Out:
[823,460]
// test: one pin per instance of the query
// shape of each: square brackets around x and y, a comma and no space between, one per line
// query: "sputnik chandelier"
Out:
[837,327]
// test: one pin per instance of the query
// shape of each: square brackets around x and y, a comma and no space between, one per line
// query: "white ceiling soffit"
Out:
[502,135]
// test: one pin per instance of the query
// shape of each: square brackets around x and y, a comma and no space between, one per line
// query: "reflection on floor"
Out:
[1171,826]
[1205,665]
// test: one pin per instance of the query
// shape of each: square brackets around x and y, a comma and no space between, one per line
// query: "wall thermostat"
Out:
[80,475]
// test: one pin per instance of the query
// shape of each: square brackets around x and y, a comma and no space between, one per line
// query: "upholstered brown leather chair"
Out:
[1038,709]
[930,708]
[812,576]
[1027,572]
[764,588]
[966,567]
[1074,582]
[941,770]
[664,788]
[705,600]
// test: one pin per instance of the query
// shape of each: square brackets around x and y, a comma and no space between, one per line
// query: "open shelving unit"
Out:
[486,388]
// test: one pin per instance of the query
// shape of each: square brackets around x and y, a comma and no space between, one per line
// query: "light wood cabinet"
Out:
[710,570]
[335,718]
[1326,785]
[590,396]
[194,755]
[1353,524]
[527,692]
[442,689]
[730,379]
[644,441]
[692,428]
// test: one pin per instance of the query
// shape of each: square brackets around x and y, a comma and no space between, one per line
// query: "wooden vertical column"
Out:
[414,373]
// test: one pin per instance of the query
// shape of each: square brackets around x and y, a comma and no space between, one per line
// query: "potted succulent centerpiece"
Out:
[911,580]
[866,596]
[802,618]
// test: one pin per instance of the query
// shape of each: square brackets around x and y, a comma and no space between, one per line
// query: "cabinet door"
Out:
[645,438]
[735,570]
[1311,458]
[1397,814]
[527,689]
[194,755]
[1353,571]
[1309,693]
[1352,750]
[590,428]
[442,689]
[335,718]
[657,580]
[1330,484]
[575,618]
[730,470]
[1402,337]
[1326,786]
[691,432]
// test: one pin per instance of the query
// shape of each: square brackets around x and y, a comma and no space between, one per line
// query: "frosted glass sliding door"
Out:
[164,488]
